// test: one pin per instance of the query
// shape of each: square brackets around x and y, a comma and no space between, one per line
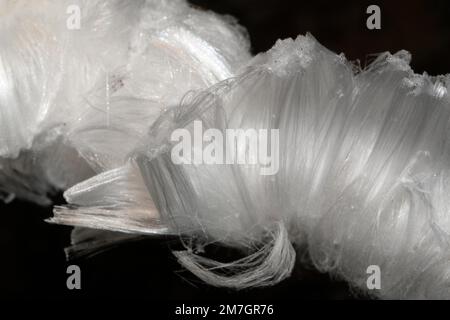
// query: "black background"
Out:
[33,263]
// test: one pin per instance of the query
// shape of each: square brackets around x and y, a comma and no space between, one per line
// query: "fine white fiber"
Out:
[98,87]
[362,174]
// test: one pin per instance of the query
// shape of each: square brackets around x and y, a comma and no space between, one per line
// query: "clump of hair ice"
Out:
[363,158]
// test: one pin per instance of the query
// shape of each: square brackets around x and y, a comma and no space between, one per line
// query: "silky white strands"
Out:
[348,166]
[92,92]
[362,174]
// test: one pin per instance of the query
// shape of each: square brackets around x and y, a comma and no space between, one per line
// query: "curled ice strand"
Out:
[266,266]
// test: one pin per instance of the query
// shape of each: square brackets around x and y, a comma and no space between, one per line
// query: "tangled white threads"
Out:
[364,157]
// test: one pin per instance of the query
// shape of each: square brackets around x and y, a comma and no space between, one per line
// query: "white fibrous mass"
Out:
[354,170]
